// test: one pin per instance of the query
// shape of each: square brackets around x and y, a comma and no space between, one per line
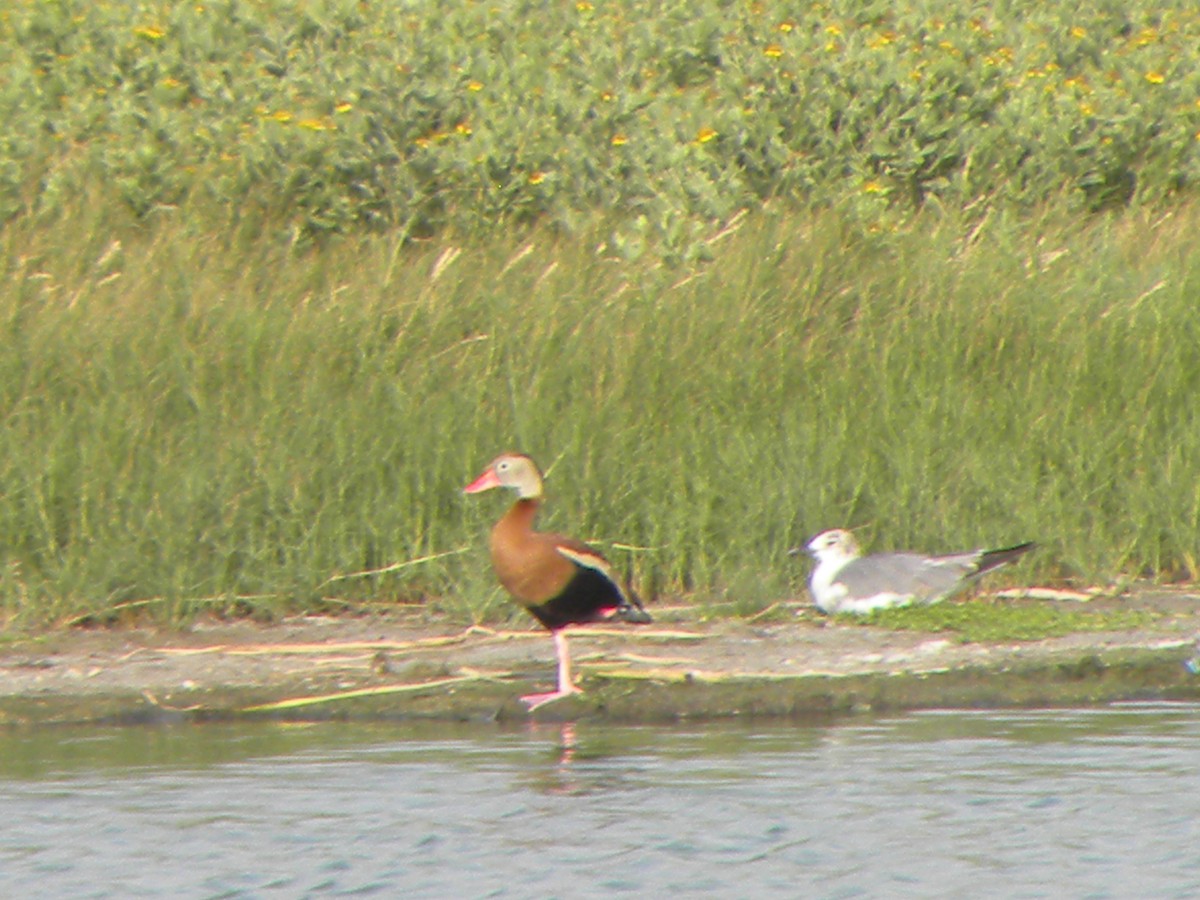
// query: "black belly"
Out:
[588,597]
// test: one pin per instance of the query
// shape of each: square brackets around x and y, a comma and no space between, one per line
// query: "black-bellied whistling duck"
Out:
[560,580]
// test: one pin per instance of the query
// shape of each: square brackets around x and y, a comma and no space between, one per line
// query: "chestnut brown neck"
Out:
[517,523]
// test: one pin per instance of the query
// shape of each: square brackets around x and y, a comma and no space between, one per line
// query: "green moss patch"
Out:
[997,622]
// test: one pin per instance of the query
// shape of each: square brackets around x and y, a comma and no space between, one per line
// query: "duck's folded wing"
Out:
[586,557]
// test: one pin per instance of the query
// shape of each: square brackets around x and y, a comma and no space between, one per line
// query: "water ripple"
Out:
[1096,802]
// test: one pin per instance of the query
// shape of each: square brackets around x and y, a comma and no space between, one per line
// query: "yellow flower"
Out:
[1078,33]
[607,96]
[704,135]
[170,82]
[872,187]
[150,32]
[463,128]
[316,124]
[537,177]
[619,140]
[344,107]
[1155,77]
[835,30]
[582,6]
[280,115]
[773,50]
[786,27]
[422,142]
[474,85]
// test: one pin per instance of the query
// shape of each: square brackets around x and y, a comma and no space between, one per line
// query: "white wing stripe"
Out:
[593,561]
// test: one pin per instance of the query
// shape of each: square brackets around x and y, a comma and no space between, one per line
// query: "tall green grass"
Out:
[199,422]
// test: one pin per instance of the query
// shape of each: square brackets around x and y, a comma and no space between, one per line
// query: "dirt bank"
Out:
[409,665]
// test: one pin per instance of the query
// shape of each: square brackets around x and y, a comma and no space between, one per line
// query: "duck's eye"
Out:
[502,465]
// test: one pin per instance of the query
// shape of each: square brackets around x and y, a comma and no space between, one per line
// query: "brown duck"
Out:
[559,580]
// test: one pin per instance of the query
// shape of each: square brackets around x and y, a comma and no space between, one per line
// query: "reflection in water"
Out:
[567,744]
[570,773]
[1102,802]
[557,775]
[567,782]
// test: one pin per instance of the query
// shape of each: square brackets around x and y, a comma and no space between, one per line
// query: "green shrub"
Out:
[331,116]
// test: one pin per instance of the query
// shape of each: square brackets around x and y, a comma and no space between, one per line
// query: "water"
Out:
[1056,803]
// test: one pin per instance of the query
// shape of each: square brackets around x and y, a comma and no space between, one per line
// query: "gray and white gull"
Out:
[845,581]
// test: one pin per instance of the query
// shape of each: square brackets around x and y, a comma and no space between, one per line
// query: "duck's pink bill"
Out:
[489,479]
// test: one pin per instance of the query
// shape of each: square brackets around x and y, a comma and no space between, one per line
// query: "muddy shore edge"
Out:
[411,666]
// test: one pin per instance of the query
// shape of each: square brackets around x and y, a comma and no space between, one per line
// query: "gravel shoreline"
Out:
[411,665]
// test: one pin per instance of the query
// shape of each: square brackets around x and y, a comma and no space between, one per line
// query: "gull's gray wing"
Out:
[890,579]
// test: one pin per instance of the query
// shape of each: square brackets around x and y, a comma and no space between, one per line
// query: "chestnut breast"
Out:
[527,563]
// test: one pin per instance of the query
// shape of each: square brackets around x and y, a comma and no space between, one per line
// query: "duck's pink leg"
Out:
[566,687]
